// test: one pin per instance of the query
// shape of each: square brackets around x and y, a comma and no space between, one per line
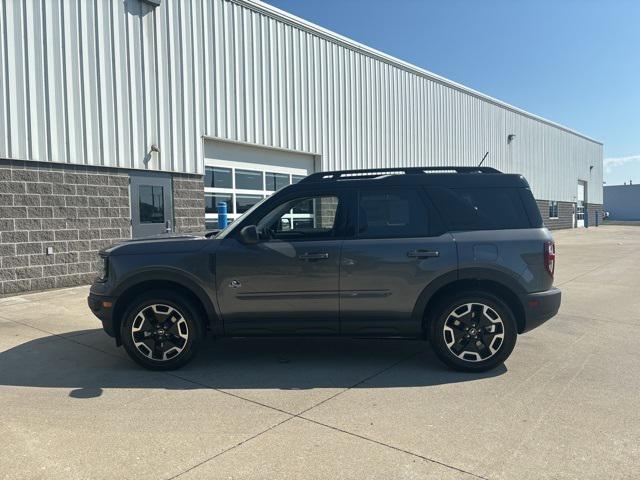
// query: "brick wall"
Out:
[565,215]
[188,203]
[75,210]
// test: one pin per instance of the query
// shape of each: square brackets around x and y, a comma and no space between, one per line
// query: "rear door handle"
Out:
[313,256]
[423,253]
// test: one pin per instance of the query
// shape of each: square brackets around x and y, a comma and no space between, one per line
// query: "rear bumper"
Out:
[102,307]
[540,307]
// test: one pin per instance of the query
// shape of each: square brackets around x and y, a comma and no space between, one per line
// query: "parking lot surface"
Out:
[565,405]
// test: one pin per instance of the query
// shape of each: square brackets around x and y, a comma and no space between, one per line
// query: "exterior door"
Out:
[581,198]
[151,205]
[288,282]
[400,247]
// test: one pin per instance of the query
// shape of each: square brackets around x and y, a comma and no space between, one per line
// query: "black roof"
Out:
[431,176]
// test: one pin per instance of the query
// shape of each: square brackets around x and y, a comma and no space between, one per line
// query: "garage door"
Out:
[242,175]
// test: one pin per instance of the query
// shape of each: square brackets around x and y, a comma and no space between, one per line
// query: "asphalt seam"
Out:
[233,447]
[393,447]
[337,429]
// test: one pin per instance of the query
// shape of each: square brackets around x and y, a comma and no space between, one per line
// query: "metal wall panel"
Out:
[98,81]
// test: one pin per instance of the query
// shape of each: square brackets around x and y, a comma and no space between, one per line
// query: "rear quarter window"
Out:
[484,208]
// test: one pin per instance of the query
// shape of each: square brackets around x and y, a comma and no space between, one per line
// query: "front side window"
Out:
[393,213]
[302,218]
[151,203]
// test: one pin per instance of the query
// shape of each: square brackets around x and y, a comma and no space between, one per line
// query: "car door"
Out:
[400,247]
[287,283]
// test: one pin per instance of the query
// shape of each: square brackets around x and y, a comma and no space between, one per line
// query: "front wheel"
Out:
[161,330]
[473,332]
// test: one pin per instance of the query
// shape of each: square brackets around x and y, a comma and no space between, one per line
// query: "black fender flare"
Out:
[499,277]
[171,275]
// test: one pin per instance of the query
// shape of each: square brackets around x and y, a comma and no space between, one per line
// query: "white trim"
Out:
[258,145]
[336,38]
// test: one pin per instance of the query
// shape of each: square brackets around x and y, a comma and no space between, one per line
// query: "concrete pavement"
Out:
[566,404]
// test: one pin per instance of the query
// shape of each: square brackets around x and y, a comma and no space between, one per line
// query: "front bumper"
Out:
[540,307]
[102,307]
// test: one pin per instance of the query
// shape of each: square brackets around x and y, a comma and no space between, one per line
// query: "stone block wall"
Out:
[188,203]
[565,215]
[73,210]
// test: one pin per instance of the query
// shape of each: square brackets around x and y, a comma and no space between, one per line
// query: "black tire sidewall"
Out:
[453,302]
[188,312]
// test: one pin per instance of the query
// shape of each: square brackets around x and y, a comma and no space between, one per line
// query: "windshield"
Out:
[229,228]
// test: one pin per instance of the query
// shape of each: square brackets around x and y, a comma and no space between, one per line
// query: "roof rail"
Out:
[377,172]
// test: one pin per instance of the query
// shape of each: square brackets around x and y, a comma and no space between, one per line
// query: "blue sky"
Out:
[576,62]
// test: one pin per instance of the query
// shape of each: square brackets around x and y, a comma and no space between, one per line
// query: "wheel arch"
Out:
[186,287]
[494,282]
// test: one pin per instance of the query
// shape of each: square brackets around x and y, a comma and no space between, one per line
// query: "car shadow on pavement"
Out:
[87,362]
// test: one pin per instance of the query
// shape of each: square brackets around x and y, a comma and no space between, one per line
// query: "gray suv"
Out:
[458,256]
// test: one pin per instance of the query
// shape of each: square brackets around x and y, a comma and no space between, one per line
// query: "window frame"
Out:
[553,204]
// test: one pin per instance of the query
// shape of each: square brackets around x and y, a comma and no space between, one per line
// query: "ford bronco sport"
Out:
[455,255]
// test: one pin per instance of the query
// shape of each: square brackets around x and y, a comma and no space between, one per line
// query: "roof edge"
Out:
[286,17]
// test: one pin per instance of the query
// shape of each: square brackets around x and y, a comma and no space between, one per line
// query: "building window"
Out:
[151,200]
[217,177]
[249,180]
[242,187]
[245,202]
[553,209]
[211,201]
[276,181]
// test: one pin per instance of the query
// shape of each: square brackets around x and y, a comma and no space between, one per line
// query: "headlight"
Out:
[103,269]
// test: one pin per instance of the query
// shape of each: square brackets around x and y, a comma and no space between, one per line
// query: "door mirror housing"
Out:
[249,235]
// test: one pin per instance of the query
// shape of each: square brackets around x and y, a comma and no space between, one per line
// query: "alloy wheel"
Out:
[473,332]
[159,332]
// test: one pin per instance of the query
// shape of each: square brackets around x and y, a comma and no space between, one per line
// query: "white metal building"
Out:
[251,95]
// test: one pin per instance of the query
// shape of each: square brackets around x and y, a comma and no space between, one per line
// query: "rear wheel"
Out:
[161,330]
[473,332]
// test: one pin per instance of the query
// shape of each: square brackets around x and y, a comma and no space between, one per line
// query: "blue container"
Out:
[222,215]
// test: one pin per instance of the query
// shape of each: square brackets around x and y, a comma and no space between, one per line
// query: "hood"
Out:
[165,243]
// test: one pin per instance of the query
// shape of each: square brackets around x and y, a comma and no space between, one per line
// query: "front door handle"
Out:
[423,253]
[313,256]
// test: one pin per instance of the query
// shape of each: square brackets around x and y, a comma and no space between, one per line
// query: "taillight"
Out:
[550,257]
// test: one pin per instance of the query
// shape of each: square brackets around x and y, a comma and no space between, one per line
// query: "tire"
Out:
[161,330]
[466,344]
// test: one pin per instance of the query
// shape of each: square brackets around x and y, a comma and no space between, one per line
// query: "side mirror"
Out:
[249,235]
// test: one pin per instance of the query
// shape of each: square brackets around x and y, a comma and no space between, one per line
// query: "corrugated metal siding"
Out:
[99,81]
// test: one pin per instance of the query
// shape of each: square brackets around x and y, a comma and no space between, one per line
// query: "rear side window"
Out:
[481,208]
[391,213]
